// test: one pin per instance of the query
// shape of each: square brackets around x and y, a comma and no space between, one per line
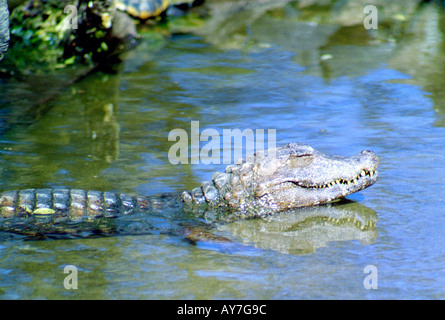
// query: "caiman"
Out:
[263,184]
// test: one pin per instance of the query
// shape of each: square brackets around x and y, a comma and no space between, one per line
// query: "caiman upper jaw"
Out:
[363,179]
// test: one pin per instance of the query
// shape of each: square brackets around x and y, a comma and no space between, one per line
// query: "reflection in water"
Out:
[100,100]
[420,54]
[80,133]
[105,134]
[306,229]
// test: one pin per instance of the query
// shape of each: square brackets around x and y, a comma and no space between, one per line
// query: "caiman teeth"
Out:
[354,181]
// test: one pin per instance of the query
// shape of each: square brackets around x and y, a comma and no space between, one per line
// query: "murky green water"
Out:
[110,132]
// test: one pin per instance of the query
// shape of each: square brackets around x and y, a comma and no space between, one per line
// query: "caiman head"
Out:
[285,178]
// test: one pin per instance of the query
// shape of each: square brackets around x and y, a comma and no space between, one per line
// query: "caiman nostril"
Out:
[370,154]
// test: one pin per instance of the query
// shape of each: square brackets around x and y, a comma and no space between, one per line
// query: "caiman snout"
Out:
[369,153]
[370,159]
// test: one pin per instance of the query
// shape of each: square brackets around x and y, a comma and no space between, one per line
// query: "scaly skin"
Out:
[286,178]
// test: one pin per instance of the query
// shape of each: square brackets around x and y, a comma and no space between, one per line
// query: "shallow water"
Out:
[110,132]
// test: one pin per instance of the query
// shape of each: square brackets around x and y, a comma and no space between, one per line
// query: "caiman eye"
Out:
[300,160]
[301,155]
